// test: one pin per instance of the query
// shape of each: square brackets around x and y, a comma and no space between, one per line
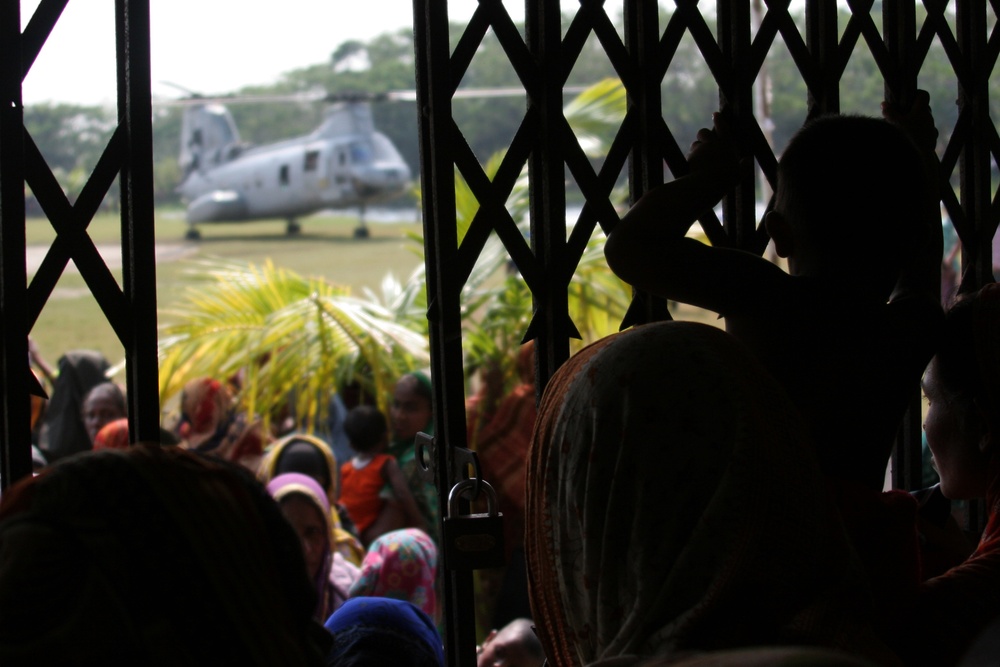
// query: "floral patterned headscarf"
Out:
[400,564]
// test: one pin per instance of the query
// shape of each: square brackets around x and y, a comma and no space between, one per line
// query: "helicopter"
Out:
[343,163]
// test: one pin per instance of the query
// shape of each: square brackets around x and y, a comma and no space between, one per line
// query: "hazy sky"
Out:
[210,46]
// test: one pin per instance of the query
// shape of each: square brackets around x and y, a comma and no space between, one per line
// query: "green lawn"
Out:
[326,248]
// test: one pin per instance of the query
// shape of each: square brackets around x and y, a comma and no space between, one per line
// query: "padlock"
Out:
[474,541]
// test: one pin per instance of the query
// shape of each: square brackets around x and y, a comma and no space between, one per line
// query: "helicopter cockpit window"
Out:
[283,175]
[312,161]
[361,153]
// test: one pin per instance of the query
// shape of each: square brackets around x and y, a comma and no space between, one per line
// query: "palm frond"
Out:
[292,338]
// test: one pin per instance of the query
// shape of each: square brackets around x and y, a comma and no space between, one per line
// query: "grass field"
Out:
[326,248]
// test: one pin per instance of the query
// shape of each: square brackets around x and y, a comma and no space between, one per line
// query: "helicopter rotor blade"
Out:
[193,98]
[319,95]
[474,93]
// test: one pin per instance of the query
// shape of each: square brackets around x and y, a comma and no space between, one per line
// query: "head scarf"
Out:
[308,454]
[113,435]
[425,380]
[210,424]
[205,407]
[400,564]
[423,489]
[371,622]
[503,447]
[526,363]
[153,556]
[63,431]
[673,504]
[285,485]
[402,449]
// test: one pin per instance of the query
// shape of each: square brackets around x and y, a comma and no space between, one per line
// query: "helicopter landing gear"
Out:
[293,228]
[361,231]
[192,234]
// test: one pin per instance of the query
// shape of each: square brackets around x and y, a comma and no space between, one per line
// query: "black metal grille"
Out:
[890,31]
[129,308]
[542,58]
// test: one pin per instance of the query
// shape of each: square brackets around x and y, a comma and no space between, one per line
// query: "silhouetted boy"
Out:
[850,327]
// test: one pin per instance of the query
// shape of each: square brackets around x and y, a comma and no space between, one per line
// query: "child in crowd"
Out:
[369,471]
[856,317]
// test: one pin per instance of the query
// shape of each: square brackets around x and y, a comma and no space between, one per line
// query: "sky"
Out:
[209,46]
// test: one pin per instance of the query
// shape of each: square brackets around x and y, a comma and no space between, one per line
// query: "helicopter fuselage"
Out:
[294,178]
[344,163]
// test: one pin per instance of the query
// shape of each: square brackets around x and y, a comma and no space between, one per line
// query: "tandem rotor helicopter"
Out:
[344,163]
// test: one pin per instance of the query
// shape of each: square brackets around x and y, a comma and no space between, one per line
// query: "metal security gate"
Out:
[897,33]
[642,55]
[131,307]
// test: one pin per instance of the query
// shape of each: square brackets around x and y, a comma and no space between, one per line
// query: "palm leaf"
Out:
[292,338]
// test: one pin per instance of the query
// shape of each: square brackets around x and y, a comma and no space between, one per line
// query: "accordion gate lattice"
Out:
[543,58]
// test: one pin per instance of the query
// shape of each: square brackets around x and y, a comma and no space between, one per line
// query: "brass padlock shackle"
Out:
[464,485]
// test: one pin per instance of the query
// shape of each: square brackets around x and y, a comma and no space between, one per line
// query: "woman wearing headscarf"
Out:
[311,456]
[383,631]
[304,504]
[151,556]
[62,431]
[502,447]
[211,424]
[674,505]
[411,412]
[401,564]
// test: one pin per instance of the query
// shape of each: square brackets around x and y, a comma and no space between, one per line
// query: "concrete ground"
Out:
[112,254]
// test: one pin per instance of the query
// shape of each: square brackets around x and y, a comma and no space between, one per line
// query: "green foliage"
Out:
[496,302]
[285,336]
[72,136]
[595,115]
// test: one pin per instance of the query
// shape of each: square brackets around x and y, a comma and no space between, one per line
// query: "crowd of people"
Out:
[681,495]
[366,526]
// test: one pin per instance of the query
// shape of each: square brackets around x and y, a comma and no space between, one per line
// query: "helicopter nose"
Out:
[376,180]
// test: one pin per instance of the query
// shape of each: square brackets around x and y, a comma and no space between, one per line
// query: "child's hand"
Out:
[917,122]
[714,151]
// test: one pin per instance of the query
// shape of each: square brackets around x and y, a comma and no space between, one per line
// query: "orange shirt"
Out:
[360,491]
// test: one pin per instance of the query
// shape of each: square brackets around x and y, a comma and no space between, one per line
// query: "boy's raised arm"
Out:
[648,248]
[922,275]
